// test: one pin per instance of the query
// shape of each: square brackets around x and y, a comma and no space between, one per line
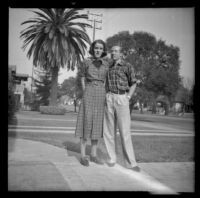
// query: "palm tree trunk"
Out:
[75,105]
[166,107]
[154,107]
[54,88]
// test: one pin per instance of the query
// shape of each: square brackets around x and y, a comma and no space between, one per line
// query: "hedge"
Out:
[52,110]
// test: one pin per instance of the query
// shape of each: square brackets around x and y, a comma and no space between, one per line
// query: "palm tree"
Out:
[57,40]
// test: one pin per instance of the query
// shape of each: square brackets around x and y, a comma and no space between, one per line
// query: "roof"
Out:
[19,77]
[12,67]
[22,75]
[162,98]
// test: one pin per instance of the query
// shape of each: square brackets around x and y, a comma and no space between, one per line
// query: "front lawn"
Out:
[147,148]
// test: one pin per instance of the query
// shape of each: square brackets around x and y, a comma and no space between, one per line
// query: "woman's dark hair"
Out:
[91,51]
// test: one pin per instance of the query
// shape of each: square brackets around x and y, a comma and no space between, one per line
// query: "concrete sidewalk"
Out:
[36,166]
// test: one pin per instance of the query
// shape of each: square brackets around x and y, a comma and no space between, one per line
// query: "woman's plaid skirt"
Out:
[91,112]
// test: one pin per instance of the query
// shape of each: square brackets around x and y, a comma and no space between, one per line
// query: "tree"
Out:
[187,83]
[57,40]
[123,39]
[11,103]
[72,88]
[27,97]
[155,63]
[43,86]
[41,93]
[185,95]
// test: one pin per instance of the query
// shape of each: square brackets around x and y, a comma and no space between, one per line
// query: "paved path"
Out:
[34,166]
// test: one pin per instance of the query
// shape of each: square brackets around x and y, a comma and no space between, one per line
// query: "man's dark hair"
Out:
[91,51]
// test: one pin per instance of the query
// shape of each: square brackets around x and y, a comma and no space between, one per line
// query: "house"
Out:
[178,105]
[161,102]
[17,81]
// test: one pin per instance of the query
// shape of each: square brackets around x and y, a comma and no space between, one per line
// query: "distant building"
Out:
[66,100]
[161,103]
[17,81]
[178,105]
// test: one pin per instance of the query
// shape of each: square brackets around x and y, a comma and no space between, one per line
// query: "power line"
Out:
[94,21]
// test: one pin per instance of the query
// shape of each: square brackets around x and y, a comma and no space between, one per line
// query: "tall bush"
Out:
[11,104]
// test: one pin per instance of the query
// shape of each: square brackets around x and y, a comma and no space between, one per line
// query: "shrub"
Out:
[53,110]
[11,105]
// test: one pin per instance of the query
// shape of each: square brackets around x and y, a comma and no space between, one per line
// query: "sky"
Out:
[173,25]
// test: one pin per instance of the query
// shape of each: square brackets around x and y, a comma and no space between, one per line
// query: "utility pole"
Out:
[94,21]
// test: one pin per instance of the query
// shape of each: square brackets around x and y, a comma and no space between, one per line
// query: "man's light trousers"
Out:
[117,114]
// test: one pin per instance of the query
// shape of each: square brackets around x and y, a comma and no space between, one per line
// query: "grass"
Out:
[163,148]
[147,148]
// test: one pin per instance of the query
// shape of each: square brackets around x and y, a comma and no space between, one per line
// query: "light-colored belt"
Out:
[119,92]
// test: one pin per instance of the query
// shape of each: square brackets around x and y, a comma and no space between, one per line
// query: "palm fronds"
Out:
[55,37]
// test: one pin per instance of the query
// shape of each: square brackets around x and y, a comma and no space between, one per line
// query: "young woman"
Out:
[93,73]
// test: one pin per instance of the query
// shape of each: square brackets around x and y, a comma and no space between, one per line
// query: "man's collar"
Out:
[104,62]
[119,62]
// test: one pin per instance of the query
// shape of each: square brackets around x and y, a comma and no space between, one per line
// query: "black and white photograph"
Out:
[101,99]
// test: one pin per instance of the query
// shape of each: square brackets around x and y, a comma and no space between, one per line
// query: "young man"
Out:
[121,84]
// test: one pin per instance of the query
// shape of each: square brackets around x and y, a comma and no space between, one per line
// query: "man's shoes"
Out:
[136,169]
[84,161]
[96,160]
[111,164]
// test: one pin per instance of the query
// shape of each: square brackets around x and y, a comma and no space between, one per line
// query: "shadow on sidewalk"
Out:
[12,134]
[12,119]
[73,149]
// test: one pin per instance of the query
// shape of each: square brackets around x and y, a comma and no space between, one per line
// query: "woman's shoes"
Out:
[136,168]
[96,160]
[111,164]
[84,161]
